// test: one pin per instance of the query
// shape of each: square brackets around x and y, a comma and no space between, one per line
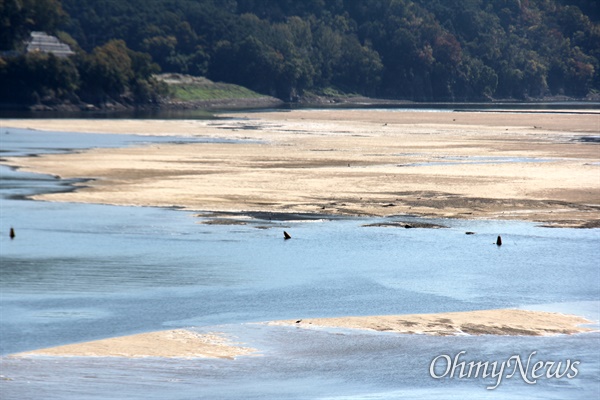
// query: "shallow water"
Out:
[447,160]
[79,272]
[308,364]
[23,142]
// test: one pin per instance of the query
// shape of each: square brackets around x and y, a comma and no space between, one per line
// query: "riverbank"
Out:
[534,166]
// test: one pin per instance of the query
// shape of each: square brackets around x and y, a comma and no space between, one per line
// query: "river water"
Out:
[78,272]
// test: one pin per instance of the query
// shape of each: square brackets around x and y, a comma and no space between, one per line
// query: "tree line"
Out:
[424,50]
[108,73]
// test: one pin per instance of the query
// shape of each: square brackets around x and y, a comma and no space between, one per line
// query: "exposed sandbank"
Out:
[178,343]
[509,165]
[182,343]
[487,322]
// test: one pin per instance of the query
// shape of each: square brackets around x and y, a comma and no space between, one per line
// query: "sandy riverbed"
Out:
[171,343]
[183,343]
[487,322]
[532,166]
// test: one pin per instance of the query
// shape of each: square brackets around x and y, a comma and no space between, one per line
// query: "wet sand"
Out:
[178,343]
[512,165]
[487,322]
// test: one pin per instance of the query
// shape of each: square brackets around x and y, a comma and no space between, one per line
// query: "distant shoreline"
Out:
[267,102]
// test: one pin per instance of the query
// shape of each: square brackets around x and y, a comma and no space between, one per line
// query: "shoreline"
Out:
[467,165]
[263,102]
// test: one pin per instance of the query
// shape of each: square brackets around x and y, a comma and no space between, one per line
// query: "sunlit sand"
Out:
[506,322]
[172,343]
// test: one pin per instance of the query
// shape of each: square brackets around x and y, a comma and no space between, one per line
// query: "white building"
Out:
[42,42]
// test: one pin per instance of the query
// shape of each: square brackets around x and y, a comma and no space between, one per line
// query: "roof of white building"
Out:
[45,43]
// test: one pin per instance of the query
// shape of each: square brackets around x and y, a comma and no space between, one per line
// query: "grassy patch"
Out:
[211,91]
[198,88]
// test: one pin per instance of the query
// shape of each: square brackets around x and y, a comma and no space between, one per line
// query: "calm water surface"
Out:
[83,272]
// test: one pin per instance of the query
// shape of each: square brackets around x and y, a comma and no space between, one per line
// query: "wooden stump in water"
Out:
[499,241]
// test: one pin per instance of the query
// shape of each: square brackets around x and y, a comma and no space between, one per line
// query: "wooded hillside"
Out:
[423,50]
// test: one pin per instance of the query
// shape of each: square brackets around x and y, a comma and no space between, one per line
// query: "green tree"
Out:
[359,67]
[414,49]
[37,77]
[114,71]
[19,17]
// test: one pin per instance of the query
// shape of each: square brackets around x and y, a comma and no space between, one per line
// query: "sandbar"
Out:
[184,343]
[177,343]
[536,166]
[505,322]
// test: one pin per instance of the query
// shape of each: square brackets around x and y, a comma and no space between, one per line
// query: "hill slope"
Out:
[423,50]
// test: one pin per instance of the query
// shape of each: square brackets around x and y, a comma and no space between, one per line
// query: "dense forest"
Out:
[421,50]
